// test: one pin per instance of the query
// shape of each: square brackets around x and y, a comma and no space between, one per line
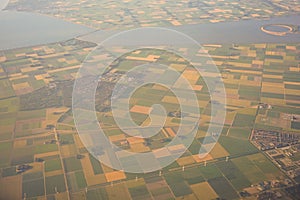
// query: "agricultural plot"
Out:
[76,181]
[204,191]
[158,188]
[241,133]
[236,146]
[33,188]
[97,194]
[6,89]
[178,187]
[234,175]
[55,184]
[11,187]
[262,89]
[223,188]
[119,191]
[162,15]
[22,155]
[52,165]
[5,149]
[255,170]
[72,164]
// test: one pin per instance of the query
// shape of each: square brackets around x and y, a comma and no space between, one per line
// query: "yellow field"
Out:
[294,69]
[170,99]
[197,87]
[20,143]
[78,141]
[115,138]
[272,101]
[277,88]
[292,92]
[18,77]
[185,160]
[170,132]
[150,58]
[63,69]
[159,87]
[117,192]
[21,86]
[52,118]
[192,75]
[106,169]
[218,151]
[63,196]
[68,150]
[135,140]
[248,111]
[140,147]
[206,158]
[134,183]
[179,147]
[165,133]
[258,62]
[237,64]
[202,104]
[176,23]
[43,155]
[272,76]
[140,109]
[239,102]
[178,67]
[90,177]
[292,83]
[245,71]
[163,152]
[204,191]
[115,176]
[260,46]
[28,69]
[54,173]
[231,91]
[269,61]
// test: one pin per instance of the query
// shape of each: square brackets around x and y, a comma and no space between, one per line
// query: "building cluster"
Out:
[268,140]
[266,189]
[282,148]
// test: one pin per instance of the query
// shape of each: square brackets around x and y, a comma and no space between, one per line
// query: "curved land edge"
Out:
[290,29]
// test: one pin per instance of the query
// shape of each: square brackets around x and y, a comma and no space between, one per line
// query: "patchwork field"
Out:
[37,126]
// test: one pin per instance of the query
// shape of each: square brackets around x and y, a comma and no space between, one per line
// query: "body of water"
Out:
[243,32]
[20,29]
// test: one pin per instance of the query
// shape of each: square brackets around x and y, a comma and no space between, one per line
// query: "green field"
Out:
[236,146]
[72,164]
[234,175]
[33,188]
[177,185]
[5,149]
[52,165]
[53,182]
[223,188]
[80,179]
[241,133]
[99,193]
[6,89]
[253,173]
[44,148]
[96,165]
[22,155]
